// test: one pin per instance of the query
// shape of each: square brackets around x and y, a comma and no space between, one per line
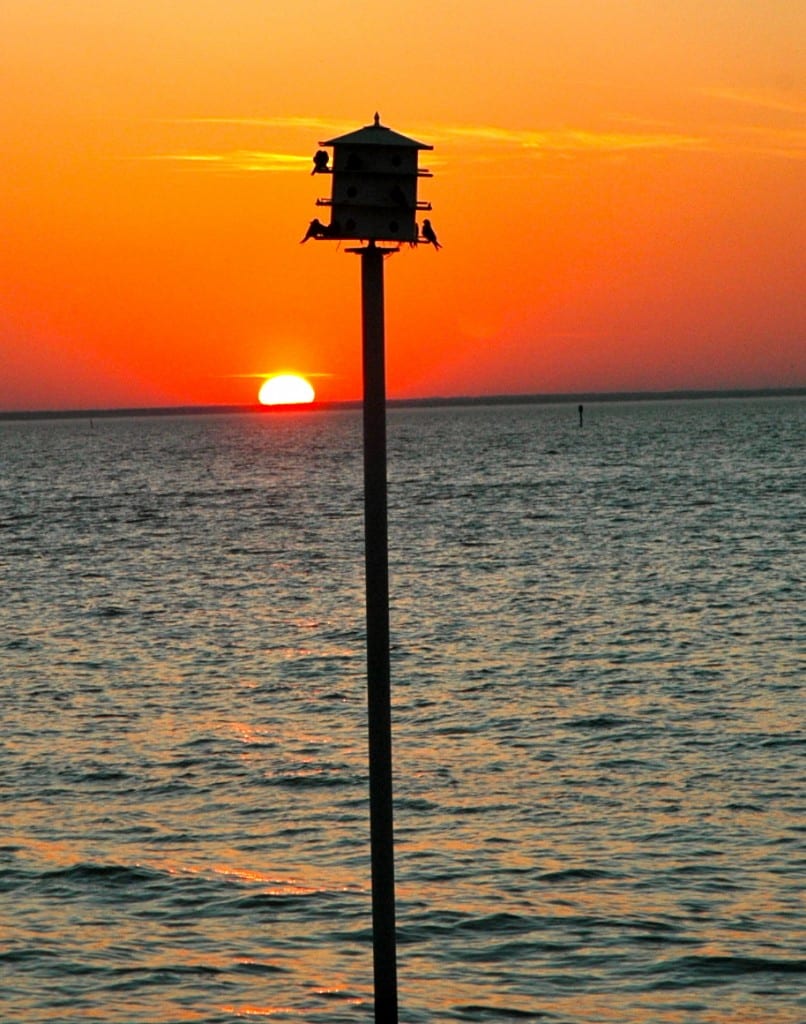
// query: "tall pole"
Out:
[378,673]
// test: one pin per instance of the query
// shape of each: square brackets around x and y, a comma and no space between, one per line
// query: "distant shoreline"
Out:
[591,397]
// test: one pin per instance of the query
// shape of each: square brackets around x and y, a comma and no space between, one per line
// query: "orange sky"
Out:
[618,186]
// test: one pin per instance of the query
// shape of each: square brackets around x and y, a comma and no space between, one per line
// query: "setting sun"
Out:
[286,389]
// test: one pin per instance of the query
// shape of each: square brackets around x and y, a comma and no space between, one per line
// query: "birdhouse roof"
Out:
[376,134]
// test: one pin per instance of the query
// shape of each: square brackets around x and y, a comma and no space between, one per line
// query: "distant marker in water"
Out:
[581,411]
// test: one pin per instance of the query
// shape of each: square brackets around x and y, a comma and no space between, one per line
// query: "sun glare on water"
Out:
[286,389]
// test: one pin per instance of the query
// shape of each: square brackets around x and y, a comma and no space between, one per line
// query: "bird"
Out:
[320,161]
[429,234]
[316,229]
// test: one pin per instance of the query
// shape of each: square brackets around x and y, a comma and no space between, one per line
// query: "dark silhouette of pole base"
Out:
[378,673]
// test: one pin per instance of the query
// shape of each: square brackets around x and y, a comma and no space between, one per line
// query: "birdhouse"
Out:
[374,185]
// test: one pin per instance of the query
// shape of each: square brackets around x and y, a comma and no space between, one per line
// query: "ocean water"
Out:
[598,640]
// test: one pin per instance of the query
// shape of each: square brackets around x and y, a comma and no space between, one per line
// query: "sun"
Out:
[286,389]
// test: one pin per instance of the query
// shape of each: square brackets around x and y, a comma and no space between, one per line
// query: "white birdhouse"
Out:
[374,194]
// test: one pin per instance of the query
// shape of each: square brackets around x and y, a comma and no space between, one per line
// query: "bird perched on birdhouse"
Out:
[321,159]
[316,229]
[429,234]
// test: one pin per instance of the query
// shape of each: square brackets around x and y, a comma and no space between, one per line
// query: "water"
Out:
[597,726]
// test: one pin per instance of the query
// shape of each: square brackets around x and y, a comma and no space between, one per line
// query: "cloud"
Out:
[492,138]
[252,160]
[571,140]
[559,143]
[764,122]
[238,160]
[760,139]
[761,100]
[789,144]
[316,125]
[262,374]
[496,142]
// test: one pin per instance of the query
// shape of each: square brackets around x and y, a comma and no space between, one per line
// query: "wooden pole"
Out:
[378,672]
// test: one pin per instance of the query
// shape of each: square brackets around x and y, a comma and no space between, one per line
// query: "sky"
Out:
[618,187]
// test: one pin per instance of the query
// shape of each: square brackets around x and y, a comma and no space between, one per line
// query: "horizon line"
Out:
[435,401]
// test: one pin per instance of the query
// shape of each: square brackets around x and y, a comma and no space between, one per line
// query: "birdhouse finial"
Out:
[377,119]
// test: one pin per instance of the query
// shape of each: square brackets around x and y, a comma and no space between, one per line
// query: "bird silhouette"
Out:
[320,161]
[429,234]
[316,229]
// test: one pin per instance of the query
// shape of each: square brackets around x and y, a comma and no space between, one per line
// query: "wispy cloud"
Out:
[317,125]
[490,142]
[570,140]
[787,143]
[237,160]
[762,122]
[262,374]
[779,102]
[252,160]
[493,140]
[760,139]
